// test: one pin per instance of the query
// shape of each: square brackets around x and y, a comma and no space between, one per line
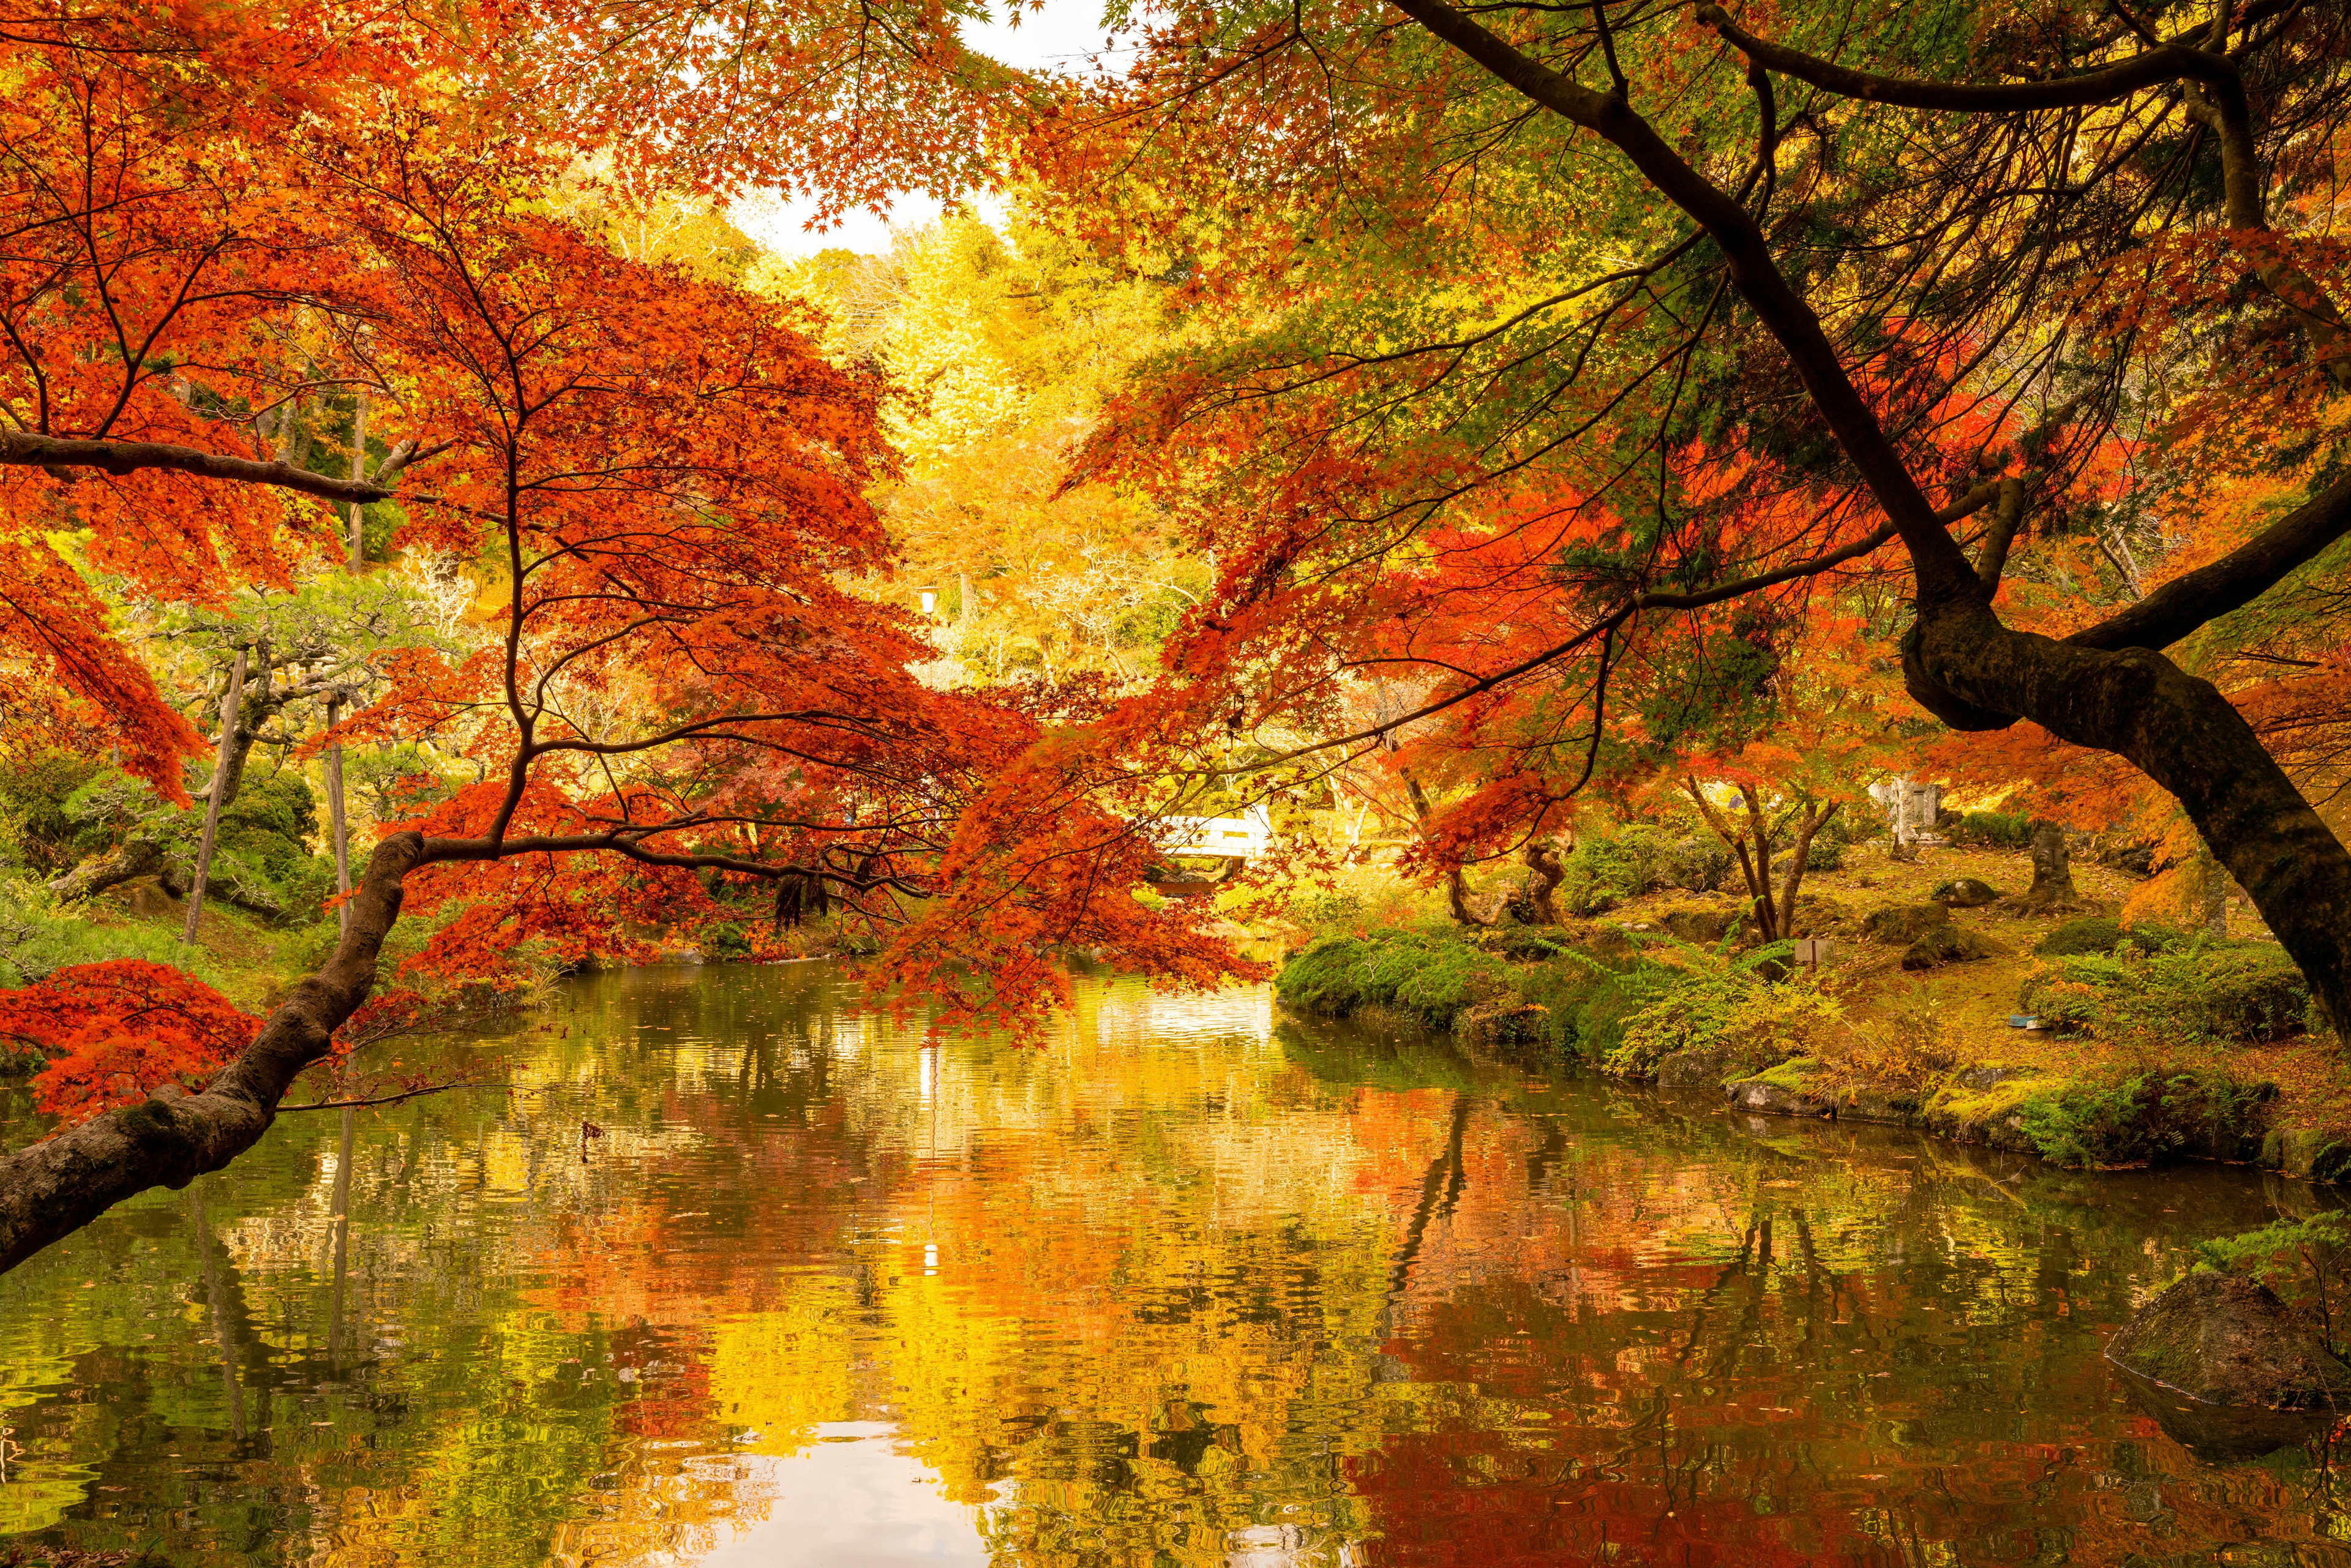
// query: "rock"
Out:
[1772,1097]
[1901,924]
[1965,893]
[1490,1025]
[2227,1340]
[1983,1077]
[1949,945]
[2311,1154]
[1698,924]
[1877,1103]
[1702,1068]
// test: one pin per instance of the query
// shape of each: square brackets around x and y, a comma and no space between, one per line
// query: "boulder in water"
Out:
[2227,1340]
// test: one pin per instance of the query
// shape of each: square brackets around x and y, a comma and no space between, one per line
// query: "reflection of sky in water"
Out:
[1178,1283]
[850,1497]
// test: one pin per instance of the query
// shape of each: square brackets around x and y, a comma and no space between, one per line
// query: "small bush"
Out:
[1709,1001]
[2131,1117]
[2242,993]
[2094,934]
[1910,1051]
[1431,977]
[1829,846]
[1901,925]
[1696,865]
[2246,994]
[1600,874]
[1992,829]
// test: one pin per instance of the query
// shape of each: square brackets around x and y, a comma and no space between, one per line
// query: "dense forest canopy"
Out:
[1481,410]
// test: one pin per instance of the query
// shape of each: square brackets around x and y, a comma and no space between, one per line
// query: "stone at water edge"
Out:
[2228,1339]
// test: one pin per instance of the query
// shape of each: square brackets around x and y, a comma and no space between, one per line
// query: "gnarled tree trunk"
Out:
[53,1188]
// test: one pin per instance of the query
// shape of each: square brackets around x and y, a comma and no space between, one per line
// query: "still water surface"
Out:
[1191,1284]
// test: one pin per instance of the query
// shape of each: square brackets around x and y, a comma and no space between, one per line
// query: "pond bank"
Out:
[2186,1051]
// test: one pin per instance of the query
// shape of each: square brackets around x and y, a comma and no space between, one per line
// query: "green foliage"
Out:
[1830,843]
[1708,1000]
[1431,977]
[2243,993]
[262,854]
[37,828]
[2097,933]
[39,937]
[726,941]
[1697,863]
[2133,1116]
[2306,1261]
[1600,874]
[1992,829]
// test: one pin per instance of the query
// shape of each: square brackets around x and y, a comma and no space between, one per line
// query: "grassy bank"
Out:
[2159,1043]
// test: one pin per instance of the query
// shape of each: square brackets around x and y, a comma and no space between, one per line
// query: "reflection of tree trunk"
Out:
[231,712]
[1440,1189]
[216,1301]
[128,861]
[343,1223]
[337,825]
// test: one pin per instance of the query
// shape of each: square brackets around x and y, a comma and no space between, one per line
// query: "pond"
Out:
[1191,1282]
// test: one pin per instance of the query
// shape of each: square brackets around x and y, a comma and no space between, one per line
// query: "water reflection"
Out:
[1186,1286]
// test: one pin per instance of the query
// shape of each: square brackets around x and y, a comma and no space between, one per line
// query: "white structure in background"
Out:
[1244,837]
[1911,809]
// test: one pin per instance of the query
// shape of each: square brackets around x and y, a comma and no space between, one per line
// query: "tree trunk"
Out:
[232,706]
[2052,868]
[129,860]
[55,1188]
[358,472]
[1544,862]
[1975,674]
[337,825]
[343,1223]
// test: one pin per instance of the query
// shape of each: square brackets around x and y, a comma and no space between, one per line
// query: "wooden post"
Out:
[230,705]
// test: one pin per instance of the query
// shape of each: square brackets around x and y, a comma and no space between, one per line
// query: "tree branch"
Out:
[61,456]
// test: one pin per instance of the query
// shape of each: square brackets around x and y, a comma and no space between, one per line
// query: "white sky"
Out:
[1060,38]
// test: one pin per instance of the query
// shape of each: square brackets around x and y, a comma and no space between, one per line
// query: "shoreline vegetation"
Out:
[2155,1044]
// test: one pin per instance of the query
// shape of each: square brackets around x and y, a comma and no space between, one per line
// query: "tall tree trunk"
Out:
[343,1223]
[232,706]
[358,472]
[337,825]
[1543,860]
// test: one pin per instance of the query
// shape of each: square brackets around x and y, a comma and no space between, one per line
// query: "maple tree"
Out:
[1920,313]
[682,694]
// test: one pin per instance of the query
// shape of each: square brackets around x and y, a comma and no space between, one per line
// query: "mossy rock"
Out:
[2097,934]
[1898,925]
[1964,893]
[1947,944]
[2228,1339]
[2308,1154]
[1700,925]
[1789,1089]
[1708,1069]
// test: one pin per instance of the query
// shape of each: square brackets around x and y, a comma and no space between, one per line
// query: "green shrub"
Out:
[1431,977]
[38,938]
[1600,874]
[2246,994]
[726,941]
[1829,846]
[2096,935]
[38,827]
[2242,993]
[1992,829]
[2150,938]
[2130,1117]
[1710,1000]
[1317,906]
[1696,864]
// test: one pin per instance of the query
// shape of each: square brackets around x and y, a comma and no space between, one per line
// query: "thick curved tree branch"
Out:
[61,456]
[2176,60]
